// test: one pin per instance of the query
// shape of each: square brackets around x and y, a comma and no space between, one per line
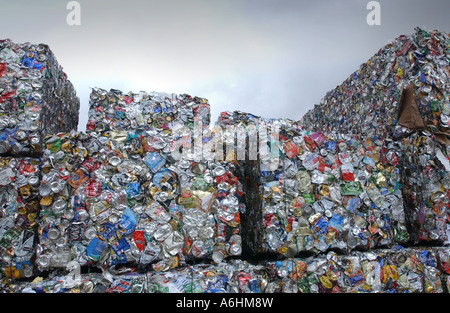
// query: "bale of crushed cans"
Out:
[19,198]
[153,198]
[402,95]
[367,101]
[36,98]
[426,187]
[402,270]
[136,197]
[116,110]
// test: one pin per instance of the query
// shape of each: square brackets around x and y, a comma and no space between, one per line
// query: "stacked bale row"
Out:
[410,270]
[36,98]
[402,95]
[317,192]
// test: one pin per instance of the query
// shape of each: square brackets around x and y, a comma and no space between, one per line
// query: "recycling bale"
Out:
[401,94]
[116,110]
[426,183]
[36,98]
[139,197]
[19,183]
[315,192]
[368,101]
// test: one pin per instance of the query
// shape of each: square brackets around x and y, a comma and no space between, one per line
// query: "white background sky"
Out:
[275,58]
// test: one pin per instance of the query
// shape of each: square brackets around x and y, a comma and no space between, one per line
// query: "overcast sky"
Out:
[275,58]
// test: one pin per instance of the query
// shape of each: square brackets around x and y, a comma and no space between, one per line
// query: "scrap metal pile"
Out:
[153,197]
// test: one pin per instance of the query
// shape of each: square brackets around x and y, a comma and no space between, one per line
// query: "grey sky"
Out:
[274,58]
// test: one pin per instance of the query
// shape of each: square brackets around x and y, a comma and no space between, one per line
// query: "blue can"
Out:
[29,59]
[133,189]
